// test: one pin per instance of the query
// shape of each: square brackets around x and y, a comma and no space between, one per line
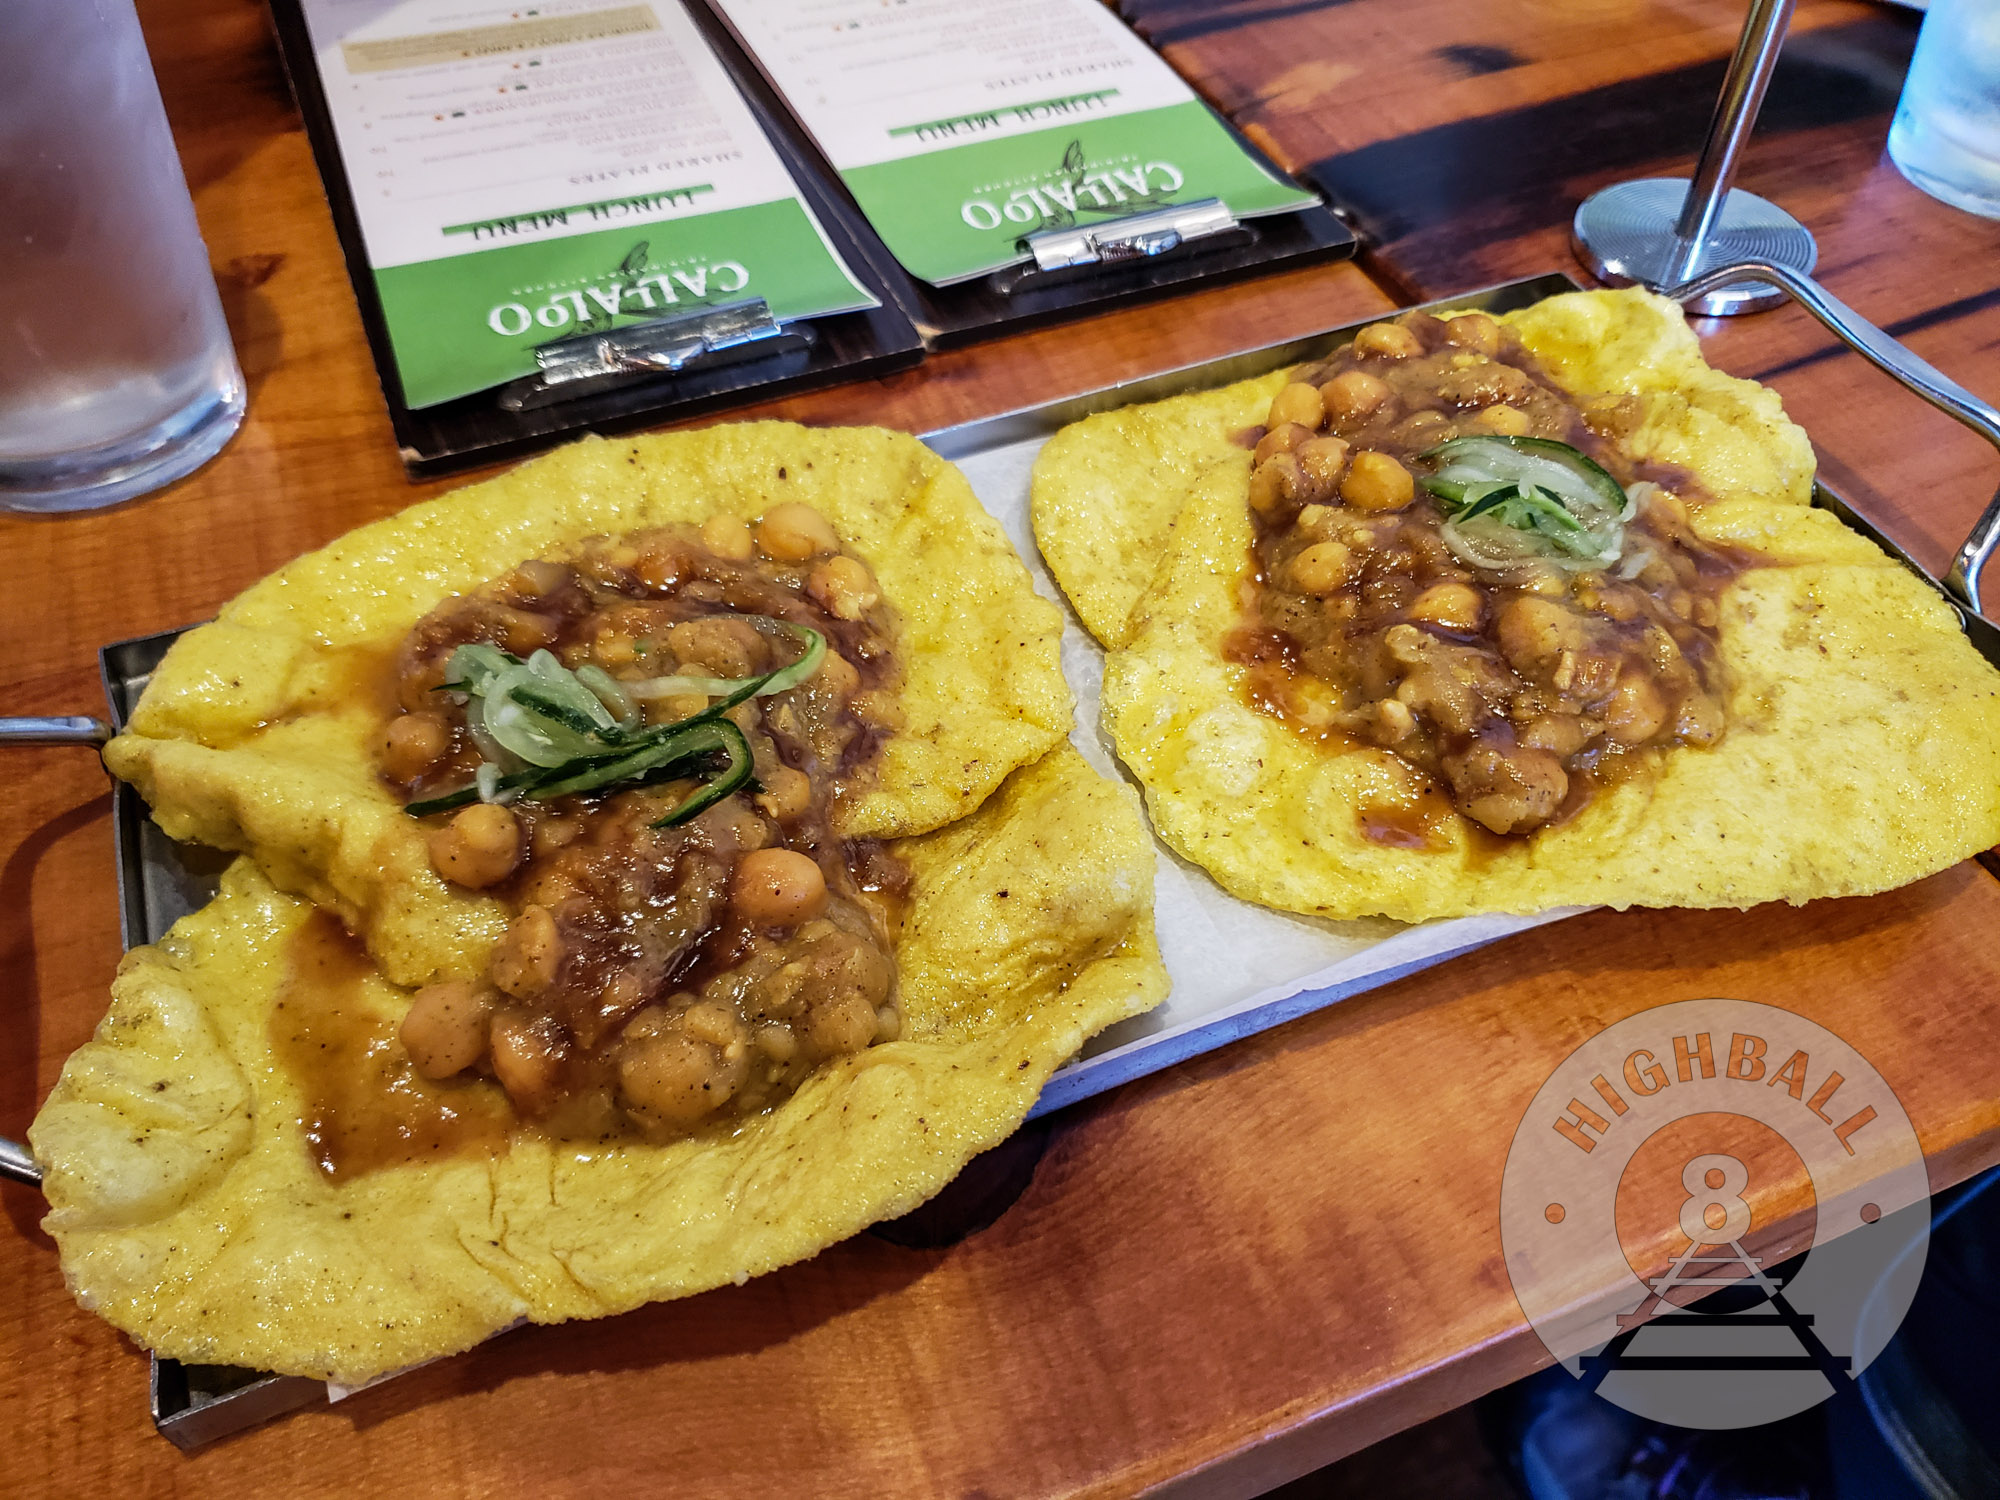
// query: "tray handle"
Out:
[1892,358]
[17,1164]
[63,729]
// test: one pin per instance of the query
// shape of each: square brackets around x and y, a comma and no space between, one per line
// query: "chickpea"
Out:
[675,1080]
[1322,459]
[412,744]
[1393,721]
[838,673]
[841,1022]
[1541,578]
[1504,421]
[786,794]
[777,1042]
[1455,606]
[844,586]
[1474,331]
[551,834]
[478,848]
[1535,630]
[1375,481]
[526,632]
[1559,734]
[1321,568]
[673,708]
[1353,394]
[528,955]
[792,532]
[721,644]
[777,888]
[1274,486]
[1297,402]
[727,536]
[1282,438]
[527,1059]
[715,1023]
[1390,340]
[662,563]
[1636,711]
[1607,599]
[623,993]
[1700,721]
[444,1030]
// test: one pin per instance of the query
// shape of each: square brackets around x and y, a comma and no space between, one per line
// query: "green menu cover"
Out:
[528,175]
[961,130]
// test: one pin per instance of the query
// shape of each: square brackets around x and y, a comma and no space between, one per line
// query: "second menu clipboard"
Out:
[1074,262]
[750,352]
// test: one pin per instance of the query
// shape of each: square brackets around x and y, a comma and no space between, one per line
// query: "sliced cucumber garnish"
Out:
[1511,499]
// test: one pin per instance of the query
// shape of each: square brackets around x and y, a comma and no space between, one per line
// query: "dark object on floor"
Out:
[1442,1459]
[1924,1420]
[1563,1443]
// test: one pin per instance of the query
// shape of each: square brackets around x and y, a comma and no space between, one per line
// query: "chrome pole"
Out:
[1662,231]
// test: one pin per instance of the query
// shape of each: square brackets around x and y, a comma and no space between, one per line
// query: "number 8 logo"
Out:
[1715,1213]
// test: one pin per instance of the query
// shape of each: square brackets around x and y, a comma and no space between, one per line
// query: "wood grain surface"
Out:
[1460,139]
[1219,1277]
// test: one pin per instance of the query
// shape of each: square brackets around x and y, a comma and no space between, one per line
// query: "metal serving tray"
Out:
[1238,969]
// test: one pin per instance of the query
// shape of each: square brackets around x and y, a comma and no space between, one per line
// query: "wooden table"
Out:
[1231,1272]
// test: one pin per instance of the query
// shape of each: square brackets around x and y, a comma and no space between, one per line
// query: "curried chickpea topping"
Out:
[1321,568]
[1353,394]
[1517,691]
[1504,421]
[845,587]
[652,979]
[481,846]
[792,532]
[1298,403]
[728,536]
[1388,340]
[1281,437]
[445,1028]
[1473,331]
[1375,481]
[777,888]
[412,744]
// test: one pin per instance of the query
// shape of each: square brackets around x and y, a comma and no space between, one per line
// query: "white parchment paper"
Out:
[1237,968]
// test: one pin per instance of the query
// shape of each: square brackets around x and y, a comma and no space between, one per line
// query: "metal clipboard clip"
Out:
[1063,253]
[706,337]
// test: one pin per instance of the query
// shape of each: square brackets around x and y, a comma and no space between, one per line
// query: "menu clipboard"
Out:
[678,340]
[1108,253]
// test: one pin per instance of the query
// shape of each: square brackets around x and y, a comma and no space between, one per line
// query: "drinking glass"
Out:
[1946,136]
[116,371]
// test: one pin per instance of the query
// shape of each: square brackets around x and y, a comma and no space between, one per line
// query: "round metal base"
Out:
[1626,233]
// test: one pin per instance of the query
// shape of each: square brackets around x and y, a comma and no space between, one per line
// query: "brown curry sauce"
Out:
[652,982]
[1515,695]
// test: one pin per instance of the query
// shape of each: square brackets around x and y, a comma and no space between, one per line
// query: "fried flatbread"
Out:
[190,1214]
[257,732]
[1863,741]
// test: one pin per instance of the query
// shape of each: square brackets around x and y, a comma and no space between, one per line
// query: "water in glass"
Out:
[1946,137]
[116,371]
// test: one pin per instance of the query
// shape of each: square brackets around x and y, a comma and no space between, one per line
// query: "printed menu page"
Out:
[530,173]
[960,129]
